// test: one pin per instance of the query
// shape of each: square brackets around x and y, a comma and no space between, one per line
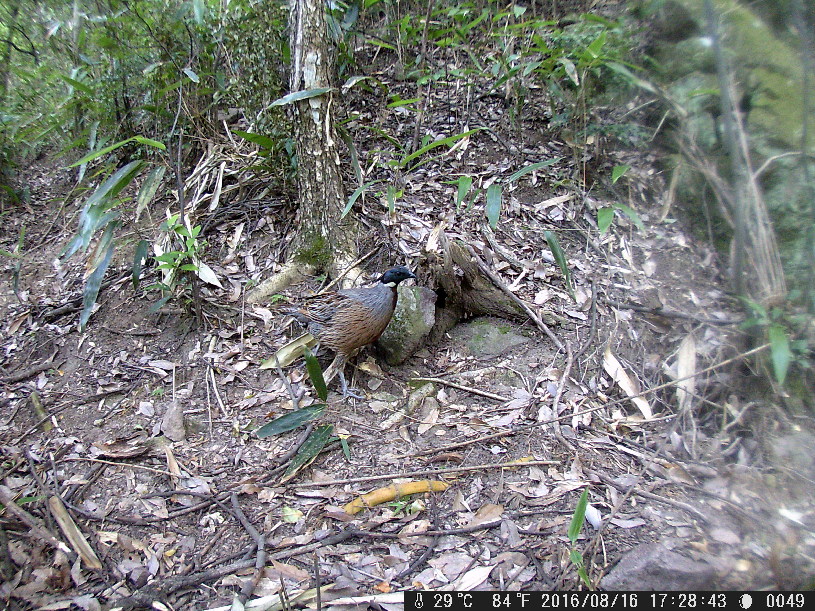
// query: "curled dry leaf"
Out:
[122,447]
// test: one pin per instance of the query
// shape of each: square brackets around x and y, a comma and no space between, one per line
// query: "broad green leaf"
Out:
[148,189]
[464,184]
[138,261]
[192,75]
[300,95]
[157,306]
[355,195]
[291,421]
[570,69]
[531,168]
[632,214]
[605,216]
[494,203]
[259,139]
[443,142]
[780,351]
[315,373]
[103,151]
[560,257]
[309,450]
[596,47]
[95,213]
[150,142]
[578,516]
[391,195]
[199,11]
[618,171]
[77,85]
[91,290]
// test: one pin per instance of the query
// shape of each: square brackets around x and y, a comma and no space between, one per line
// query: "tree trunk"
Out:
[323,241]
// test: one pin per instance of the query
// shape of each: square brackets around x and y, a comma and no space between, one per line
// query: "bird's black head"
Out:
[395,275]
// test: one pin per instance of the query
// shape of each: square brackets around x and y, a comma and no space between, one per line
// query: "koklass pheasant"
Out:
[349,319]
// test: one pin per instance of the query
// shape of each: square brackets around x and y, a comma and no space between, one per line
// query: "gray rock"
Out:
[172,424]
[486,337]
[652,566]
[411,323]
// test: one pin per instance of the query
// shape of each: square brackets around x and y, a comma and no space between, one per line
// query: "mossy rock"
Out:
[487,337]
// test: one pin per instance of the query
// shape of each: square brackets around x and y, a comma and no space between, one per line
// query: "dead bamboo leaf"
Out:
[73,534]
[291,351]
[614,368]
[393,492]
[686,368]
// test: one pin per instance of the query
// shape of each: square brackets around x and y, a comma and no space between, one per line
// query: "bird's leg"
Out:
[346,391]
[336,369]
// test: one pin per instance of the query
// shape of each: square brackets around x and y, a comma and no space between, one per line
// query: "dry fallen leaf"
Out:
[614,368]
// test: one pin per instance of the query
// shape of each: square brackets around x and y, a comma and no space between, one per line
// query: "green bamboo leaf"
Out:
[91,290]
[391,195]
[560,258]
[77,85]
[103,151]
[158,305]
[309,450]
[95,213]
[148,189]
[632,214]
[464,184]
[571,71]
[259,139]
[192,75]
[300,95]
[315,372]
[443,142]
[149,142]
[291,421]
[780,351]
[618,171]
[532,168]
[139,258]
[494,203]
[199,11]
[578,516]
[593,51]
[352,149]
[604,218]
[355,195]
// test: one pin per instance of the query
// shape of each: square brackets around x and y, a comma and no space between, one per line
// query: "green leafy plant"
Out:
[179,256]
[605,216]
[775,325]
[560,258]
[575,527]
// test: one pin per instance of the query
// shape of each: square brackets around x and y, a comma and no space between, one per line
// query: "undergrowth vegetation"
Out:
[129,93]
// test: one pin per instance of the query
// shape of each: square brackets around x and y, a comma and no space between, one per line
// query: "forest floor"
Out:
[145,434]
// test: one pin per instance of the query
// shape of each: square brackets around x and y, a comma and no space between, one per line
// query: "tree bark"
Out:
[324,241]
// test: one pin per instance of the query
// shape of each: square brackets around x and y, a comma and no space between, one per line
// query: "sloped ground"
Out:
[169,503]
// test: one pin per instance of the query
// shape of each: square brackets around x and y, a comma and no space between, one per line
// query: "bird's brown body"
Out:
[348,319]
